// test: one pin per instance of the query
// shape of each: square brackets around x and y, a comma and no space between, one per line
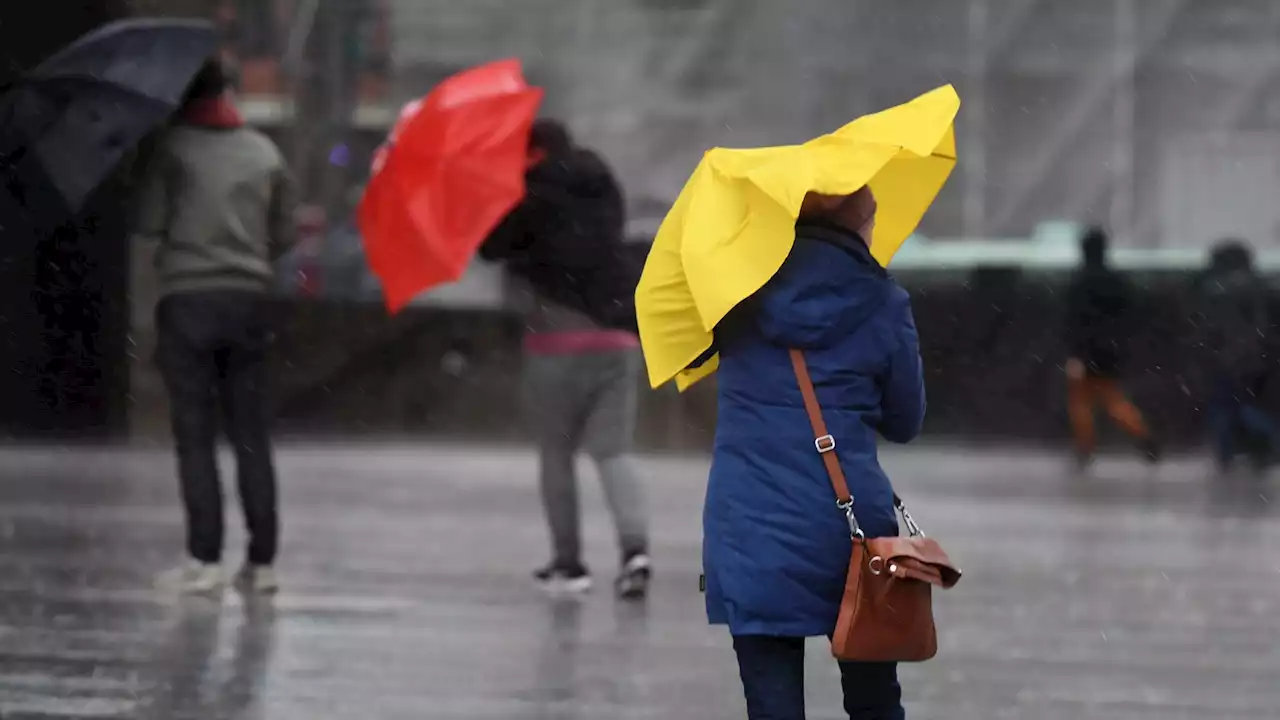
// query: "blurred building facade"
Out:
[1160,118]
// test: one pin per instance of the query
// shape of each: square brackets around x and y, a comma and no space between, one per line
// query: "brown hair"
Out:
[852,212]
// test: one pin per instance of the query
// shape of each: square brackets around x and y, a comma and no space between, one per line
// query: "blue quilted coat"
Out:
[775,546]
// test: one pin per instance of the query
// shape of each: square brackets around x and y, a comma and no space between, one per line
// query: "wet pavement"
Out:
[1132,594]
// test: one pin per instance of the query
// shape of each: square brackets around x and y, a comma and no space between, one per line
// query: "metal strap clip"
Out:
[912,528]
[855,531]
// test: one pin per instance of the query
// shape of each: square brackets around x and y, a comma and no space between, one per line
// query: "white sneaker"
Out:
[570,580]
[633,581]
[194,577]
[260,579]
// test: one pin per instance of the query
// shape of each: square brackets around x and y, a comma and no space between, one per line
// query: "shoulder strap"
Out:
[823,441]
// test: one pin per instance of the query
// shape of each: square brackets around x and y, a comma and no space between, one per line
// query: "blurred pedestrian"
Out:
[217,201]
[1099,308]
[579,378]
[1234,325]
[346,267]
[776,548]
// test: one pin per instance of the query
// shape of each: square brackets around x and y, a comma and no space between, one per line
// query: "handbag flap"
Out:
[919,558]
[906,568]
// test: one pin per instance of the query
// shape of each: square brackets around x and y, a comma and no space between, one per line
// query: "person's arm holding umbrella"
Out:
[510,236]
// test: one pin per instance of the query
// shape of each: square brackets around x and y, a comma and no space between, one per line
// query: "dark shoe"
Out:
[1261,461]
[564,579]
[1150,450]
[1224,466]
[633,581]
[1083,460]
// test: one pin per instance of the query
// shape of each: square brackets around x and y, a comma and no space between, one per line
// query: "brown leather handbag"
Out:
[886,614]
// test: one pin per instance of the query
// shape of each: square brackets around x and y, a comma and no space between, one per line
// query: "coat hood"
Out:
[580,171]
[828,287]
[577,198]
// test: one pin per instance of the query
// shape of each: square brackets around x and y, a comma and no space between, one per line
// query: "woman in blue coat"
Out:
[776,548]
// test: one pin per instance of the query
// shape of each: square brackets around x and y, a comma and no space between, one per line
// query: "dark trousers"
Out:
[1235,412]
[211,349]
[772,670]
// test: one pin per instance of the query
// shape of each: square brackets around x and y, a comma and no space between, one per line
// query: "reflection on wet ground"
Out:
[1130,594]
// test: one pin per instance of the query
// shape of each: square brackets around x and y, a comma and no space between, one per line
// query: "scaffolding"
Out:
[1073,111]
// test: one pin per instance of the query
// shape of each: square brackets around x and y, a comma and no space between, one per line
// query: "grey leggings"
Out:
[586,402]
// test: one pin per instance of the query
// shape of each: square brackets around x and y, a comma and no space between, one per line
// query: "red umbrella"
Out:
[452,169]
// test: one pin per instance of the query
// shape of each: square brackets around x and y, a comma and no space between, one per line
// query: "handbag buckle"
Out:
[873,567]
[825,444]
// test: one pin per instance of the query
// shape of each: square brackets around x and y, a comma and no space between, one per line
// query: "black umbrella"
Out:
[65,125]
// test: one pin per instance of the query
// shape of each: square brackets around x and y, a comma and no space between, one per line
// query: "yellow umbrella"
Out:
[733,224]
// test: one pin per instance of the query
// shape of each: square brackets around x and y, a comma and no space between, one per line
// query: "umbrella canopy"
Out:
[65,125]
[733,224]
[453,168]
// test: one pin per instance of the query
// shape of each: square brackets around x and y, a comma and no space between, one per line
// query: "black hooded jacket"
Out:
[1099,311]
[1233,319]
[566,238]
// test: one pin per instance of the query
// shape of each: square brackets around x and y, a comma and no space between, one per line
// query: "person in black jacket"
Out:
[581,359]
[1099,310]
[1233,324]
[567,237]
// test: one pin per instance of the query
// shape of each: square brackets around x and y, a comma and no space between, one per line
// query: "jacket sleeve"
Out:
[613,204]
[508,238]
[902,402]
[281,222]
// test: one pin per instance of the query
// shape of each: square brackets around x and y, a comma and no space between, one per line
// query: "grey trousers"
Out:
[586,402]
